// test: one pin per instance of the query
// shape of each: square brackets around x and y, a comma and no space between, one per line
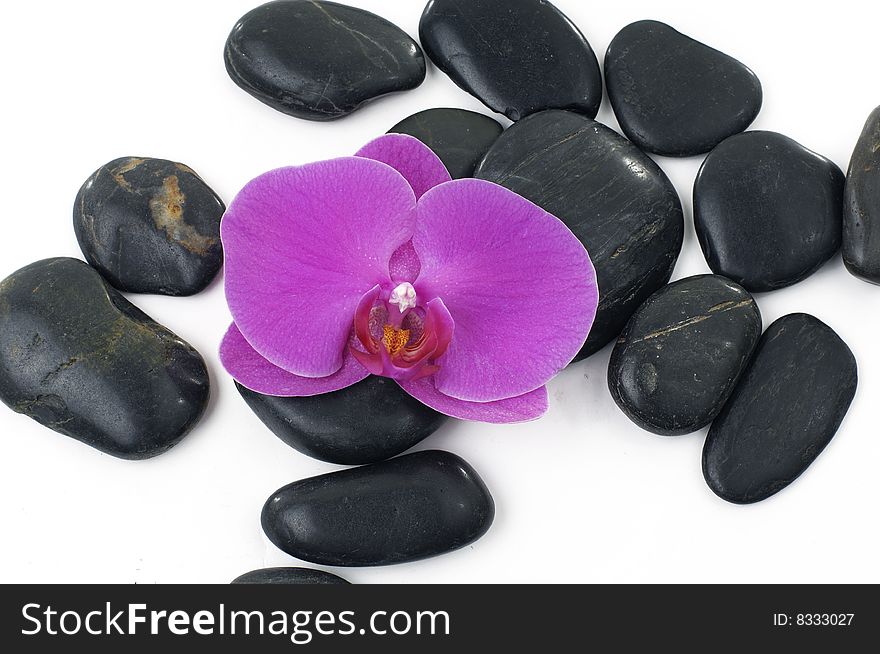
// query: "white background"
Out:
[582,495]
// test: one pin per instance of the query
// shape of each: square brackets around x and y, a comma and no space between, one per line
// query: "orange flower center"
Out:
[394,338]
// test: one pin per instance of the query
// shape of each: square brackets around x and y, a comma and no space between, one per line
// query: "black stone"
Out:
[412,507]
[515,56]
[682,352]
[150,226]
[79,358]
[786,408]
[861,207]
[675,96]
[369,422]
[320,60]
[459,137]
[767,210]
[295,576]
[614,198]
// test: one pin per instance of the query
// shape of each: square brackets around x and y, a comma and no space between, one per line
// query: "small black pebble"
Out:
[292,576]
[409,508]
[675,96]
[768,212]
[320,60]
[682,352]
[785,409]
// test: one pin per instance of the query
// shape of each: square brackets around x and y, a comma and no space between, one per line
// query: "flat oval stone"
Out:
[409,508]
[150,226]
[675,96]
[786,408]
[459,137]
[861,207]
[79,358]
[615,199]
[682,352]
[767,211]
[292,576]
[369,422]
[517,57]
[320,60]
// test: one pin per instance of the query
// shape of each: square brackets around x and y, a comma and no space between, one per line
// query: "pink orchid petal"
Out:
[523,408]
[252,371]
[411,158]
[302,246]
[518,284]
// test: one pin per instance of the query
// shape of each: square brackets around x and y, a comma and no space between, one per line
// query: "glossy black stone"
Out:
[767,211]
[79,358]
[320,60]
[516,56]
[459,137]
[675,96]
[369,422]
[291,576]
[614,198]
[861,207]
[412,507]
[150,226]
[786,408]
[682,352]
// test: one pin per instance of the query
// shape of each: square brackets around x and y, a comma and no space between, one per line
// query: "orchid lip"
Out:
[403,343]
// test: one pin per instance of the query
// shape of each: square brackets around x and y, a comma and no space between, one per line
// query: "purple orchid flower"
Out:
[468,295]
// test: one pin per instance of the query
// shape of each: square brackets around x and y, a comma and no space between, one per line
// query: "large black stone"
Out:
[369,422]
[682,352]
[412,507]
[784,411]
[675,96]
[79,358]
[293,576]
[613,197]
[767,210]
[150,226]
[320,60]
[861,207]
[516,56]
[459,137]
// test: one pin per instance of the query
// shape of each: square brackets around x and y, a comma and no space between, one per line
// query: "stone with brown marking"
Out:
[150,226]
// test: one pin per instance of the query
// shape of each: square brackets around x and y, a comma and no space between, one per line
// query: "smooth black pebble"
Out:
[79,358]
[861,207]
[409,508]
[768,212]
[150,226]
[320,60]
[675,96]
[682,352]
[368,422]
[786,408]
[615,199]
[290,576]
[459,137]
[516,56]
